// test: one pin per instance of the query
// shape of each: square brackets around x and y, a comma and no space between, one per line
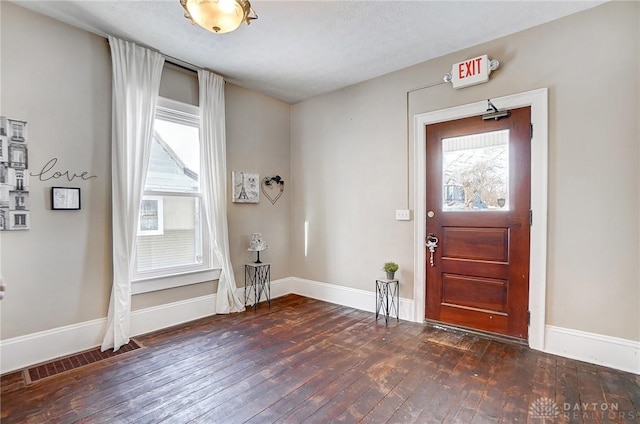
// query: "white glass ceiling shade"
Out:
[219,16]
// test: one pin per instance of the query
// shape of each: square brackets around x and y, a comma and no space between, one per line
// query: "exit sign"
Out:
[470,72]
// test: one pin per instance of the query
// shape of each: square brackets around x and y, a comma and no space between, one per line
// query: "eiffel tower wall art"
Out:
[246,187]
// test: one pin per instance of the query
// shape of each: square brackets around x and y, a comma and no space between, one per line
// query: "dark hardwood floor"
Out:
[306,361]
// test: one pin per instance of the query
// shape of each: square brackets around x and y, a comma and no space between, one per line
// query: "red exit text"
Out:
[469,68]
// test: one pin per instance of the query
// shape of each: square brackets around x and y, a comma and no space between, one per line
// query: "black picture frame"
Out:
[65,198]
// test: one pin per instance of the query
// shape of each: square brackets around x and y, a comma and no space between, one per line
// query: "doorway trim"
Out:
[537,99]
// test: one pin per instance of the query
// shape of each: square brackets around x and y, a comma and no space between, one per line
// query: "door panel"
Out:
[474,292]
[478,188]
[490,269]
[489,244]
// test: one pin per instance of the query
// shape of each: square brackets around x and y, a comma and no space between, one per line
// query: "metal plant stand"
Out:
[257,280]
[387,299]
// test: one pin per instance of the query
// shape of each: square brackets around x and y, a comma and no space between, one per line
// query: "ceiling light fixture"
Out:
[218,16]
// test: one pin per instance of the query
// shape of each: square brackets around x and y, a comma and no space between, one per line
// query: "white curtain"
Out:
[136,82]
[214,184]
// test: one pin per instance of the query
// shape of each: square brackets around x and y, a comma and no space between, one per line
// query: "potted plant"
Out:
[390,268]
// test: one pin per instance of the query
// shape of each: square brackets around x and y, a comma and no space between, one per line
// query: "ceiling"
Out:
[300,49]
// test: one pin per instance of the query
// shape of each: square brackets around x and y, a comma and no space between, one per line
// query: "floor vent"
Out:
[77,360]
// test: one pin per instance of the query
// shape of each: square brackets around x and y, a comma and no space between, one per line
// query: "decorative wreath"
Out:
[268,182]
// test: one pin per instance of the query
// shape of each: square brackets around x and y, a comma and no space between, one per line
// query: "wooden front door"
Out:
[478,204]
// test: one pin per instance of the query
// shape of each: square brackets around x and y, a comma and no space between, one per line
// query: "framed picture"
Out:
[151,216]
[245,187]
[14,175]
[65,198]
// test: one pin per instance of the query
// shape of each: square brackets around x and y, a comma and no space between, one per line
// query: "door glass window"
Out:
[475,172]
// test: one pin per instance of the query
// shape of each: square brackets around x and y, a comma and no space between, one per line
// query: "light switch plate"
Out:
[403,215]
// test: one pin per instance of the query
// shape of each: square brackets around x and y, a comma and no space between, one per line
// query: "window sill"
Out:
[171,281]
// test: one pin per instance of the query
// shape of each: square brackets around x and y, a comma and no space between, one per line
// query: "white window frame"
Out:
[17,129]
[209,270]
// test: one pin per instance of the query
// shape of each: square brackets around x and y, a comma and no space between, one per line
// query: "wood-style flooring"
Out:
[307,361]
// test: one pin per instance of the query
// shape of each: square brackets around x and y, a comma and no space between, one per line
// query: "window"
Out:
[20,204]
[17,129]
[19,180]
[18,157]
[20,220]
[475,172]
[173,248]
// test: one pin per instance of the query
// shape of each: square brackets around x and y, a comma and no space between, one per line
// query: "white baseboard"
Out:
[21,352]
[281,287]
[597,349]
[162,316]
[158,317]
[346,296]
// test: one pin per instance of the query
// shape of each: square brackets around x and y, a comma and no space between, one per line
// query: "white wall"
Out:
[352,166]
[58,79]
[259,141]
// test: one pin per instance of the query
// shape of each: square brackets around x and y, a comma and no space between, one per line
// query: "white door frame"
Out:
[537,99]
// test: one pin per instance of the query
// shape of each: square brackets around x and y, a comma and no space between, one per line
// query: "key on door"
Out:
[432,243]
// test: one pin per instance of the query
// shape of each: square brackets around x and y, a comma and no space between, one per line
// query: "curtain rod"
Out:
[172,60]
[180,63]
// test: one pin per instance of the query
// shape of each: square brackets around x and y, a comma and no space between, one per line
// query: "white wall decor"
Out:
[14,175]
[65,198]
[272,188]
[245,187]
